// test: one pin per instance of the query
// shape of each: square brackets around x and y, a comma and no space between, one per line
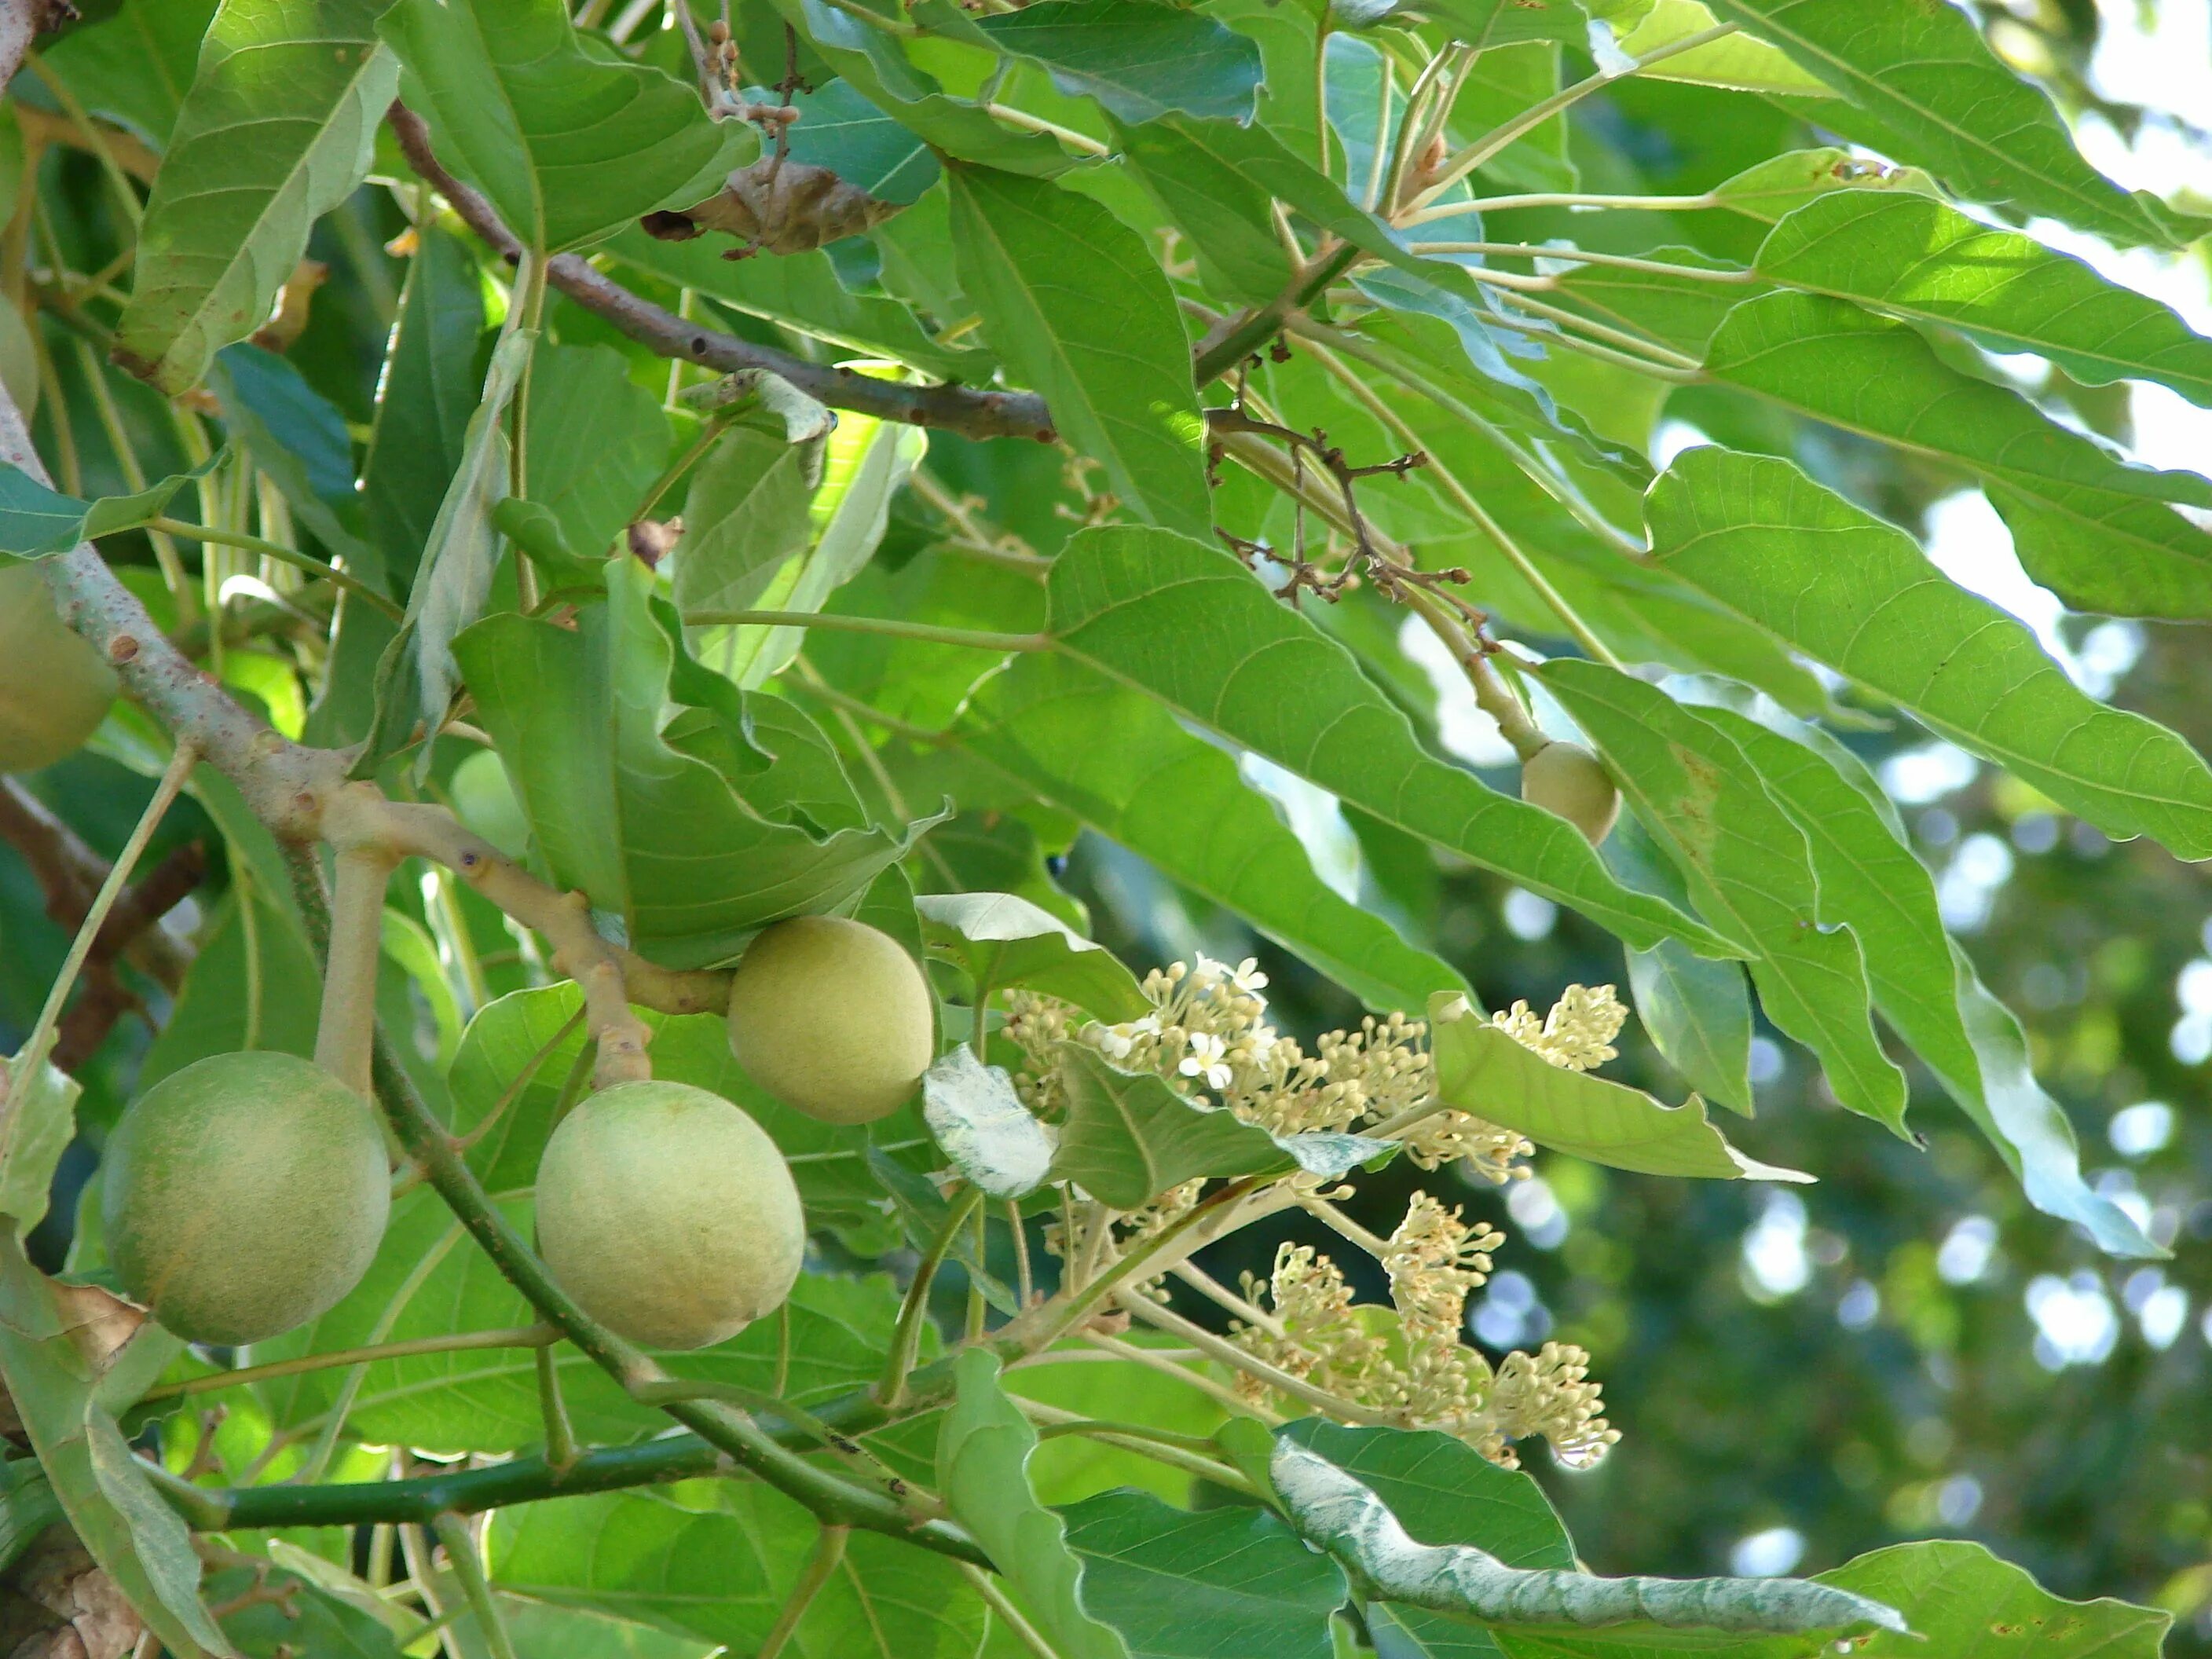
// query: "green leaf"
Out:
[63,1369]
[1481,24]
[1334,1510]
[993,1139]
[430,386]
[745,519]
[1925,88]
[1483,1071]
[722,1570]
[1745,861]
[1739,61]
[1859,595]
[1002,941]
[277,129]
[137,66]
[1957,1597]
[596,442]
[659,838]
[1123,764]
[1767,190]
[1445,1492]
[308,1621]
[418,673]
[298,438]
[1923,982]
[36,521]
[1075,305]
[1129,1137]
[874,66]
[839,128]
[570,141]
[982,1472]
[1179,1585]
[37,1119]
[1698,1012]
[1131,603]
[1917,257]
[1139,59]
[1069,1468]
[2095,530]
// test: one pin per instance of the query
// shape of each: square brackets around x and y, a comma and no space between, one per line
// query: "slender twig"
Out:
[1561,199]
[1592,257]
[276,550]
[514,1336]
[1176,1451]
[561,1452]
[821,1567]
[914,1312]
[1011,1616]
[1151,1359]
[468,1566]
[1274,1376]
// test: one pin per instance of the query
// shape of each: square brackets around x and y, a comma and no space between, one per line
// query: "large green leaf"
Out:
[982,1470]
[1925,88]
[276,129]
[570,141]
[1746,862]
[1859,595]
[69,1370]
[1129,1137]
[2095,530]
[596,442]
[36,520]
[1076,306]
[1003,941]
[1124,765]
[1698,1012]
[1923,982]
[746,517]
[1193,627]
[1959,1599]
[1917,257]
[1139,58]
[1482,1070]
[655,835]
[1180,1585]
[298,439]
[723,1572]
[137,66]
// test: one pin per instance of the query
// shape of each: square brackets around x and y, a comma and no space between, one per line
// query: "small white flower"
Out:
[1247,977]
[1206,1060]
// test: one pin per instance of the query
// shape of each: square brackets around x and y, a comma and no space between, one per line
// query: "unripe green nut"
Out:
[54,688]
[244,1195]
[669,1214]
[485,802]
[1567,779]
[831,1017]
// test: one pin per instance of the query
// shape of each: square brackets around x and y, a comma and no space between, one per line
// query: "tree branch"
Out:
[964,410]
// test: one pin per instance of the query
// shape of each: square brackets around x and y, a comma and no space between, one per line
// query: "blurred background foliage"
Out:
[1903,1350]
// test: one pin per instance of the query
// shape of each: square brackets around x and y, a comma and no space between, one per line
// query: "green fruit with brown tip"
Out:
[831,1017]
[669,1214]
[1566,778]
[54,688]
[244,1195]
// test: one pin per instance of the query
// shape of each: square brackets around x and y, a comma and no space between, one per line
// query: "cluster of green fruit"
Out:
[244,1194]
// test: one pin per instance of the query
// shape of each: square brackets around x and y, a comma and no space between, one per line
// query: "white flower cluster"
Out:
[1207,1034]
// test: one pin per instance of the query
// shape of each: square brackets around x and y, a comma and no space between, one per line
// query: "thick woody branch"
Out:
[964,410]
[70,872]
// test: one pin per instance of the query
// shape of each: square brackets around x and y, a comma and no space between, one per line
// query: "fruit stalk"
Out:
[347,1029]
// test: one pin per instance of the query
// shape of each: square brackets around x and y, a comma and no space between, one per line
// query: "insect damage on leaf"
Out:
[776,205]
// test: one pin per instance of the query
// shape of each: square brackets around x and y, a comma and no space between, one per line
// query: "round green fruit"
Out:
[668,1214]
[54,688]
[831,1017]
[1566,778]
[484,800]
[244,1195]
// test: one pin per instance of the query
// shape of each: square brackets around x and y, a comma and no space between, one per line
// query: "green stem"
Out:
[276,550]
[561,1453]
[828,1555]
[32,1056]
[346,1031]
[518,1336]
[1561,199]
[1025,1632]
[468,1566]
[1591,256]
[913,1313]
[1257,327]
[889,627]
